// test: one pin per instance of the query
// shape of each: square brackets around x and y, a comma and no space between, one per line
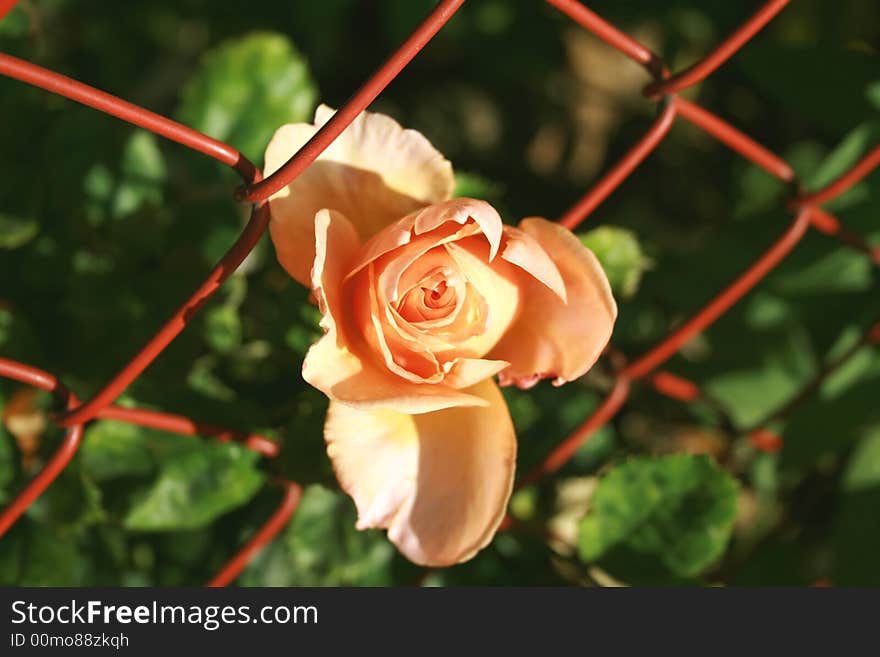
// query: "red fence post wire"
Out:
[621,171]
[178,321]
[705,67]
[356,104]
[664,87]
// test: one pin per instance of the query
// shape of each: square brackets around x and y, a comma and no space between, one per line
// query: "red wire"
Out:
[729,296]
[675,386]
[865,166]
[664,84]
[609,34]
[104,102]
[721,54]
[358,103]
[59,460]
[736,140]
[185,426]
[266,533]
[223,270]
[566,449]
[612,180]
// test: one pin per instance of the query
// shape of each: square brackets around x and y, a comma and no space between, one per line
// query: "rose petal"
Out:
[408,359]
[524,251]
[430,219]
[550,338]
[336,364]
[375,172]
[465,372]
[439,482]
[502,297]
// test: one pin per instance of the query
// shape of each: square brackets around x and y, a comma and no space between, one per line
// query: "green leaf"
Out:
[142,176]
[35,555]
[196,487]
[766,375]
[472,185]
[621,256]
[788,74]
[72,504]
[873,94]
[204,379]
[305,331]
[16,23]
[325,548]
[8,464]
[678,510]
[839,271]
[246,88]
[847,153]
[321,547]
[114,449]
[223,328]
[863,470]
[856,522]
[16,231]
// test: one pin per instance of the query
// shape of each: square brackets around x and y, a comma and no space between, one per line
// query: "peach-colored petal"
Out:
[406,160]
[336,245]
[359,383]
[408,359]
[339,364]
[439,482]
[375,172]
[502,297]
[465,372]
[524,251]
[429,219]
[549,337]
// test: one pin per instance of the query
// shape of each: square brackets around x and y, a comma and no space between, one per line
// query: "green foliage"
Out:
[857,525]
[16,23]
[472,185]
[248,87]
[16,232]
[321,547]
[195,488]
[678,510]
[34,555]
[106,228]
[621,256]
[114,449]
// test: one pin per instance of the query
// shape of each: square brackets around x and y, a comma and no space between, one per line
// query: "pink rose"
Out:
[424,299]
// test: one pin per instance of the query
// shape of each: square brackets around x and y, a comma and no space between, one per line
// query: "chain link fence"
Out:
[804,205]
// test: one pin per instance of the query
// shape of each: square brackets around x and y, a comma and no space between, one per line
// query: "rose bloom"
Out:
[425,298]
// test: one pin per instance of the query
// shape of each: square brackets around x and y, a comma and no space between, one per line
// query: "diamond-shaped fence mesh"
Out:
[805,206]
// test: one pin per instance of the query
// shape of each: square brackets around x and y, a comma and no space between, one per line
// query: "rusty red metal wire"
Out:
[664,87]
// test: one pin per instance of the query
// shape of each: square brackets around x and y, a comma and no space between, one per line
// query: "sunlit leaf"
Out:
[197,487]
[248,87]
[621,256]
[678,510]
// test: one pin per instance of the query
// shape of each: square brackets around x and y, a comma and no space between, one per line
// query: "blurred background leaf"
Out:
[678,510]
[246,88]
